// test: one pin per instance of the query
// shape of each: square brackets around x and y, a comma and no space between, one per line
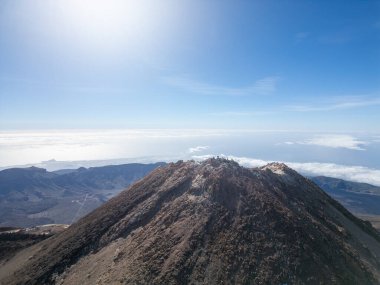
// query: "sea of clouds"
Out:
[345,156]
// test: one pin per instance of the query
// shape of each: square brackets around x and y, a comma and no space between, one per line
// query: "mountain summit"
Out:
[210,222]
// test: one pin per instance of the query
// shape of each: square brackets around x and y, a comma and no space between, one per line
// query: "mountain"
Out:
[335,184]
[362,199]
[13,239]
[33,196]
[213,222]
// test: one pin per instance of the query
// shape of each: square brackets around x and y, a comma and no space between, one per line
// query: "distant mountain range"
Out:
[362,199]
[33,196]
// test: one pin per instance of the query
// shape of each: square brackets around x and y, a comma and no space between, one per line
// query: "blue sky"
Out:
[257,81]
[279,65]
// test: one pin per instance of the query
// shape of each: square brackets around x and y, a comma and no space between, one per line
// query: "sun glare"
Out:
[109,25]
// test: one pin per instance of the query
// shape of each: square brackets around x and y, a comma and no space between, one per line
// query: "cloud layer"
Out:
[25,147]
[121,146]
[198,148]
[333,141]
[351,173]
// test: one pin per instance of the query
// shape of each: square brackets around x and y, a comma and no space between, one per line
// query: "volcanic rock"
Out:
[210,222]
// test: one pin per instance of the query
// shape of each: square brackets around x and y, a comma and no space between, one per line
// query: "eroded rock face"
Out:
[213,222]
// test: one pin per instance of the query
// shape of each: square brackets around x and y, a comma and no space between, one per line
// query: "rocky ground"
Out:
[213,222]
[13,239]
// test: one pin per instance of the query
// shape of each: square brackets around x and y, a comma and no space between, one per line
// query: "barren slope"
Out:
[213,222]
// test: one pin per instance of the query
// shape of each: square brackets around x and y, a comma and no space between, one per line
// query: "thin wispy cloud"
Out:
[342,104]
[199,148]
[242,113]
[376,139]
[333,141]
[353,173]
[262,86]
[98,90]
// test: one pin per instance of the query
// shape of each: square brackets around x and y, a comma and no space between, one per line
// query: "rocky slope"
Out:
[13,240]
[213,222]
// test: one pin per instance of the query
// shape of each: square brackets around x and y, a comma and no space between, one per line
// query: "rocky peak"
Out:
[210,222]
[278,168]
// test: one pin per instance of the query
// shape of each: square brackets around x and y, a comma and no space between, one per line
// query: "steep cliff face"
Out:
[213,222]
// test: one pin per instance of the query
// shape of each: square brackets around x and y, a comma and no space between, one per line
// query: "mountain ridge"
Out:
[33,196]
[361,199]
[205,223]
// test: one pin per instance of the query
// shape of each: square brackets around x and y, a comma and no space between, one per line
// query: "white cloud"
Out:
[262,86]
[351,173]
[73,148]
[31,147]
[26,147]
[340,104]
[334,141]
[198,148]
[245,161]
